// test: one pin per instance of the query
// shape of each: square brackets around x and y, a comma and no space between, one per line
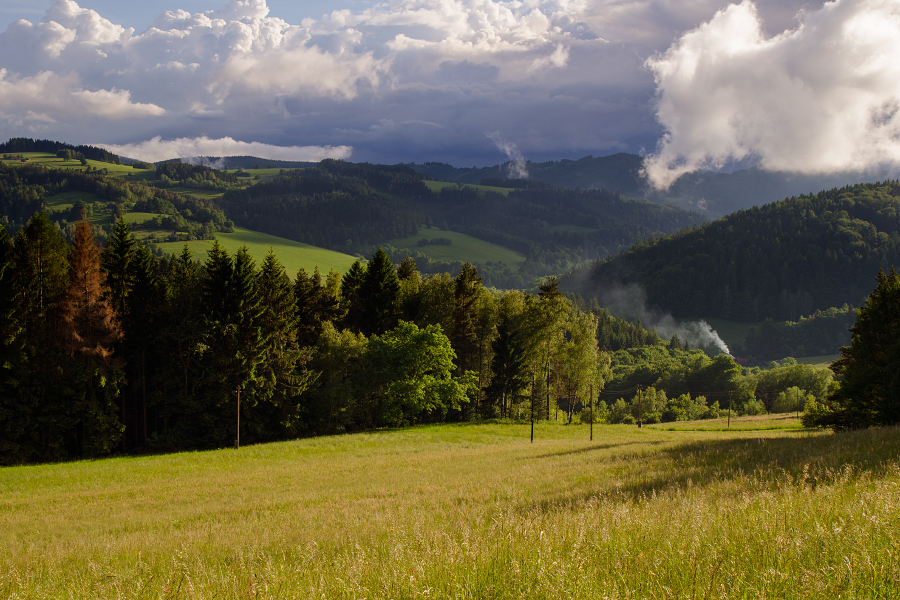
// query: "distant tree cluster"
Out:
[821,333]
[19,145]
[25,189]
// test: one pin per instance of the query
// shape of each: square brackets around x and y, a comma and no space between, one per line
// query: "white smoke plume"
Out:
[822,97]
[205,161]
[630,302]
[518,168]
[158,149]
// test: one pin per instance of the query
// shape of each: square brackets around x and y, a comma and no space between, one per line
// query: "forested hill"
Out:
[334,205]
[357,207]
[710,193]
[779,261]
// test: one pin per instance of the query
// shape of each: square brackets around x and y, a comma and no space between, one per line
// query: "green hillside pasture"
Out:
[436,186]
[51,160]
[468,512]
[263,174]
[200,193]
[464,248]
[819,361]
[65,200]
[293,255]
[769,422]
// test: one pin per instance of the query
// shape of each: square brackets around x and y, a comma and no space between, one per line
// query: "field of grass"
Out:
[436,186]
[773,422]
[293,255]
[819,361]
[464,248]
[467,511]
[65,200]
[51,160]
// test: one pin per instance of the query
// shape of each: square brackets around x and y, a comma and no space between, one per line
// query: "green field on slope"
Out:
[467,511]
[463,248]
[293,255]
[436,186]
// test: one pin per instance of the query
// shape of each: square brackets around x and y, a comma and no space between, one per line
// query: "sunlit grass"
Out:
[463,248]
[469,511]
[436,186]
[749,423]
[293,255]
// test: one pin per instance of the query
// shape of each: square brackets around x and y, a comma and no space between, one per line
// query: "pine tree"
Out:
[42,416]
[143,306]
[116,261]
[508,366]
[465,317]
[282,374]
[351,300]
[869,368]
[379,294]
[12,353]
[406,268]
[315,306]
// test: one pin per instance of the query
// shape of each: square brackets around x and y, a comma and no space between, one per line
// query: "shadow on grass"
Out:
[803,461]
[591,449]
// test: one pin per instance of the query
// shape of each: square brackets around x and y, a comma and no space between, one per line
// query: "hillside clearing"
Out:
[467,511]
[463,248]
[293,255]
[436,186]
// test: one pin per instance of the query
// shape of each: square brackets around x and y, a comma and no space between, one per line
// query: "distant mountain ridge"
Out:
[708,192]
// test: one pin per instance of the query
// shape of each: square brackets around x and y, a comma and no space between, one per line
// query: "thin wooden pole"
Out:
[729,410]
[592,412]
[640,408]
[532,407]
[237,440]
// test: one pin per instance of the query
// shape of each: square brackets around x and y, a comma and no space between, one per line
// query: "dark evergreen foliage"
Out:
[780,261]
[16,145]
[869,368]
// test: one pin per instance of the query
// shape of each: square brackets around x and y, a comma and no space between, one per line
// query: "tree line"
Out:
[18,145]
[120,351]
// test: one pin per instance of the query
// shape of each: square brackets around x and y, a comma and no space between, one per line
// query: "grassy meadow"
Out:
[293,255]
[436,186]
[467,511]
[464,248]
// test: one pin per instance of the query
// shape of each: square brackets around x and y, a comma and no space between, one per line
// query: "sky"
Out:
[787,84]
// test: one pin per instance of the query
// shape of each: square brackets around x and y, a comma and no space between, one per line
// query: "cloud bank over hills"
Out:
[821,98]
[697,82]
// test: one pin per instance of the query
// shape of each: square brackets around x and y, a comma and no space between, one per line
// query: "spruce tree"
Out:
[465,316]
[351,300]
[141,325]
[12,353]
[42,415]
[869,368]
[282,375]
[379,294]
[116,261]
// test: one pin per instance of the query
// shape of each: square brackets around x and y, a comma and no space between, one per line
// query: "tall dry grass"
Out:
[467,512]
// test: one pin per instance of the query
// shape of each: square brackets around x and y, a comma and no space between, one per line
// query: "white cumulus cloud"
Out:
[50,97]
[157,149]
[822,97]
